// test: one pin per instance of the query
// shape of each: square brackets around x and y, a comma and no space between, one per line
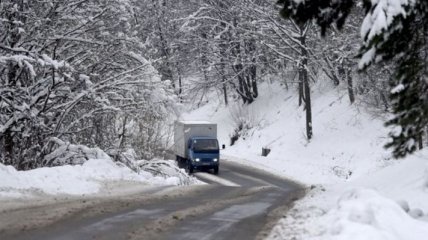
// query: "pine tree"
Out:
[392,31]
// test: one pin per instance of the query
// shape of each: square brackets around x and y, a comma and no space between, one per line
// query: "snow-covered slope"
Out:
[347,140]
[358,191]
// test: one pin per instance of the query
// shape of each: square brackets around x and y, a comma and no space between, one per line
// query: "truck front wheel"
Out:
[189,167]
[216,170]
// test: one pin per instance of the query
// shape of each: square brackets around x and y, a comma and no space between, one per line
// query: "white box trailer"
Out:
[184,130]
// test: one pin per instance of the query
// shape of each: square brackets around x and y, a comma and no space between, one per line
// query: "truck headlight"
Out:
[197,159]
[215,159]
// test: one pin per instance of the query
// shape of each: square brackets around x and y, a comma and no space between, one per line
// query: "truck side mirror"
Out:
[223,146]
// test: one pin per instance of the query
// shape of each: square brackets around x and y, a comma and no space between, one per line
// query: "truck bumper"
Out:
[205,165]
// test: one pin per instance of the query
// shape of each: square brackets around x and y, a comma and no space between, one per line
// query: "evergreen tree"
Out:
[394,31]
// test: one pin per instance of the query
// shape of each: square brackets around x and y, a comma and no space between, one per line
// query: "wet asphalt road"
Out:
[239,203]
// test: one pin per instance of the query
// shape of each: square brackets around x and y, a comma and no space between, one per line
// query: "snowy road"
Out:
[239,203]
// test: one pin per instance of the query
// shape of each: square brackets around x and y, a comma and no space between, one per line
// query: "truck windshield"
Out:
[203,145]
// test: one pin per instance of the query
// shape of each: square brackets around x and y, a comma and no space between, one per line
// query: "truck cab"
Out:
[204,153]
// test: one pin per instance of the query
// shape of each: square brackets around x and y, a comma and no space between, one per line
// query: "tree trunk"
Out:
[350,85]
[122,139]
[303,72]
[308,108]
[421,141]
[241,81]
[204,58]
[166,69]
[9,144]
[225,39]
[384,97]
[225,92]
[247,88]
[180,88]
[253,77]
[253,68]
[223,74]
[243,84]
[8,147]
[300,89]
[426,134]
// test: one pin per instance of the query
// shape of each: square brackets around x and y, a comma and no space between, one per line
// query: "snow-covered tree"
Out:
[229,51]
[69,70]
[392,30]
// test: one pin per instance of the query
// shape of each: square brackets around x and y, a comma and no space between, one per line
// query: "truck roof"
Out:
[203,137]
[195,122]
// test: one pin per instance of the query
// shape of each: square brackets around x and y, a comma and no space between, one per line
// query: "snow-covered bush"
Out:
[72,154]
[127,157]
[167,169]
[67,153]
[68,71]
[244,119]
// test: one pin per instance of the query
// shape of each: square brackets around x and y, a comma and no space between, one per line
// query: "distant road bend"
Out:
[239,203]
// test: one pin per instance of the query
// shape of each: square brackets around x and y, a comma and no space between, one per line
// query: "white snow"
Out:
[364,214]
[358,190]
[48,61]
[213,178]
[88,178]
[382,16]
[367,58]
[400,87]
[379,19]
[347,140]
[387,204]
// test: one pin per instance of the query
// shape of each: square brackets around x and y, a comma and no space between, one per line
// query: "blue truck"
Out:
[196,144]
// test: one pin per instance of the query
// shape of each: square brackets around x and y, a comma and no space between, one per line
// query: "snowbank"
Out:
[87,178]
[403,180]
[358,214]
[389,204]
[364,214]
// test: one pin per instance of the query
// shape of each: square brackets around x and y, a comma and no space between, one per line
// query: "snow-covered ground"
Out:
[357,190]
[93,177]
[390,203]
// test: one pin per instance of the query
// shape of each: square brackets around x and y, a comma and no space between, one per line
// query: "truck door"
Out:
[189,150]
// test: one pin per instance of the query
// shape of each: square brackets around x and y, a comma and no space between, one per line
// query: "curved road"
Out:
[239,203]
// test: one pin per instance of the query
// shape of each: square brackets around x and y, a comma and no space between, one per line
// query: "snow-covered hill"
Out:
[347,140]
[358,190]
